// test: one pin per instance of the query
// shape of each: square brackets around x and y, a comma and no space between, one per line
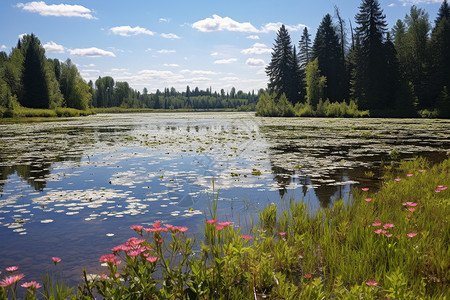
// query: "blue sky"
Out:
[158,44]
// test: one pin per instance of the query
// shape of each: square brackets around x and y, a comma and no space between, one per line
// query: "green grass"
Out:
[392,244]
[21,113]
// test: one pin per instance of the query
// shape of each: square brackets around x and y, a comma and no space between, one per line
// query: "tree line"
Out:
[29,79]
[403,72]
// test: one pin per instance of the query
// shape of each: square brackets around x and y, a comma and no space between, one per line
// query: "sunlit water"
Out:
[72,188]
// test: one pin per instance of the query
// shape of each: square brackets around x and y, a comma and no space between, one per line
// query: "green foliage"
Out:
[443,104]
[315,83]
[270,106]
[75,90]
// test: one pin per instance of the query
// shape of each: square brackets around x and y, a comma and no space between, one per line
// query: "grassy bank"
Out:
[24,112]
[393,244]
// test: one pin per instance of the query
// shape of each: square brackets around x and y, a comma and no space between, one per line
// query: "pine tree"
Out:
[328,50]
[36,90]
[368,86]
[439,46]
[298,79]
[280,68]
[305,51]
[444,12]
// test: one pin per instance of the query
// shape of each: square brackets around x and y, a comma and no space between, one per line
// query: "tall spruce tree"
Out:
[369,86]
[298,79]
[280,68]
[36,90]
[305,49]
[328,50]
[440,55]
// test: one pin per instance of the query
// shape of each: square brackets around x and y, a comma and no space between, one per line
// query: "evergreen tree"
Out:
[368,86]
[328,50]
[413,53]
[36,90]
[279,70]
[440,54]
[305,51]
[444,12]
[298,79]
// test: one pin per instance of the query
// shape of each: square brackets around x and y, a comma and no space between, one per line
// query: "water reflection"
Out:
[81,179]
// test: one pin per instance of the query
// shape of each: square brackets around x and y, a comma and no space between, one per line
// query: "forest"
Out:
[28,79]
[363,71]
[402,72]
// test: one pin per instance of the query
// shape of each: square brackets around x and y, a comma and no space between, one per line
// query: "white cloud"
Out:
[215,54]
[129,31]
[170,36]
[253,37]
[171,65]
[57,10]
[164,51]
[164,20]
[89,65]
[217,23]
[230,79]
[91,52]
[276,26]
[255,62]
[199,72]
[257,48]
[22,35]
[91,71]
[225,61]
[416,2]
[3,47]
[391,5]
[118,70]
[53,47]
[149,50]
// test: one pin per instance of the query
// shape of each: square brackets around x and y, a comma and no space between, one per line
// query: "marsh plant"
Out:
[393,244]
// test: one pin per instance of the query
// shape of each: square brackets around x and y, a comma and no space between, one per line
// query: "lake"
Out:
[72,187]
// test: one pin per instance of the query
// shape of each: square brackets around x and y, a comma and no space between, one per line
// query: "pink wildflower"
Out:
[211,221]
[411,209]
[372,283]
[409,175]
[368,199]
[11,280]
[411,203]
[12,268]
[388,234]
[398,179]
[181,228]
[376,224]
[56,259]
[108,258]
[157,224]
[421,171]
[133,253]
[219,227]
[152,259]
[137,227]
[379,231]
[120,248]
[168,226]
[104,276]
[282,233]
[364,189]
[247,237]
[412,234]
[32,284]
[388,225]
[225,224]
[308,275]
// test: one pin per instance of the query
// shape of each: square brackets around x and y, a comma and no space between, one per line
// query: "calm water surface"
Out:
[72,188]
